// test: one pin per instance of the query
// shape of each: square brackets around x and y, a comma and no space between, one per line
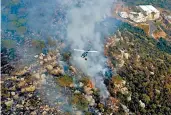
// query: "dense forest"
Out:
[147,71]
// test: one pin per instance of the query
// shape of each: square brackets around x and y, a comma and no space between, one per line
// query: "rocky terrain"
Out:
[20,89]
[35,89]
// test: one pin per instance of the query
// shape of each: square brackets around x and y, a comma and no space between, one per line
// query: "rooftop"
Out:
[148,8]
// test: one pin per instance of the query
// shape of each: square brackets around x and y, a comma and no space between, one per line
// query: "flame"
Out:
[90,84]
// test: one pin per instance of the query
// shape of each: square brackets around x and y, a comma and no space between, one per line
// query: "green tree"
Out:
[65,81]
[146,98]
[79,101]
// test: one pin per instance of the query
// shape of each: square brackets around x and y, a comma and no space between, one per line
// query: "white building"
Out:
[151,12]
[137,17]
[123,14]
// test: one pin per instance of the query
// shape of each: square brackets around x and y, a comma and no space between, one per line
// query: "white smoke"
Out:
[53,94]
[81,29]
[79,26]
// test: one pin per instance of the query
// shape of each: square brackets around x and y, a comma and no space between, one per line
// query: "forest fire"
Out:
[73,57]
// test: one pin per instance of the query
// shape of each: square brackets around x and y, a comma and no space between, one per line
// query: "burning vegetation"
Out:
[42,75]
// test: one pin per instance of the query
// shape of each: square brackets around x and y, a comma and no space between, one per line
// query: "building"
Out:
[123,14]
[149,11]
[137,17]
[143,13]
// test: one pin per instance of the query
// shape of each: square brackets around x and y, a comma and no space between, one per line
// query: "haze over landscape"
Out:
[121,63]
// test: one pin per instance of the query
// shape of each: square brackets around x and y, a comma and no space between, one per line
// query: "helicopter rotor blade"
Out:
[79,50]
[85,51]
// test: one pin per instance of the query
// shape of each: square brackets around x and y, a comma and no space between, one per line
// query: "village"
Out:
[154,21]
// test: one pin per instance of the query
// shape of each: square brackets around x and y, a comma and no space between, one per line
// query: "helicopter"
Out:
[85,52]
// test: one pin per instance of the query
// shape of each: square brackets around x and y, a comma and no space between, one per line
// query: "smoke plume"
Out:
[80,30]
[74,21]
